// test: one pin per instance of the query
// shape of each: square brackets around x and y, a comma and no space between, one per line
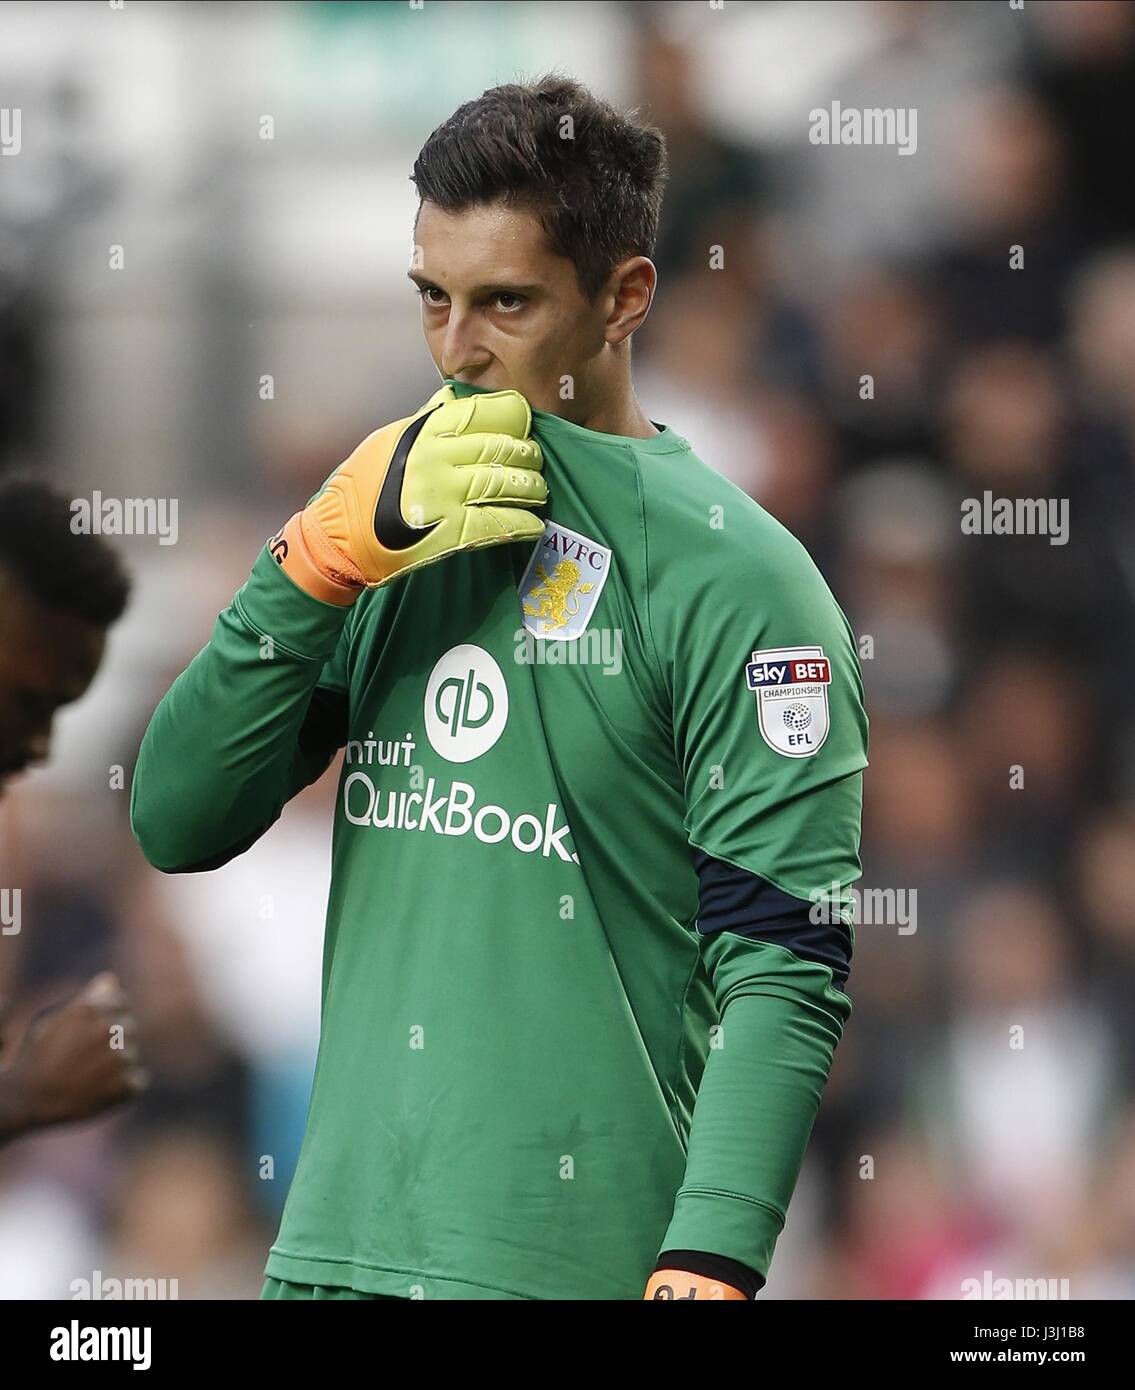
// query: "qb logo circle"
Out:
[466,704]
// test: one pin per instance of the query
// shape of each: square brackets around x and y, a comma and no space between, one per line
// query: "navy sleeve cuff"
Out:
[734,900]
[713,1267]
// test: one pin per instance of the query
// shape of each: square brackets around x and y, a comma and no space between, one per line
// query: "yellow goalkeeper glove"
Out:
[457,475]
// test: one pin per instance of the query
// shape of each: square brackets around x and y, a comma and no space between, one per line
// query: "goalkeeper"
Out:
[587,938]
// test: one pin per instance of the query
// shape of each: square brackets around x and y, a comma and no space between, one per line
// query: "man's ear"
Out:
[633,284]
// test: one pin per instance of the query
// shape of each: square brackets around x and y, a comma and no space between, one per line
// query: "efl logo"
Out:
[791,686]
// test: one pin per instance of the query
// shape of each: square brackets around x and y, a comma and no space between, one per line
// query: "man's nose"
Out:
[461,352]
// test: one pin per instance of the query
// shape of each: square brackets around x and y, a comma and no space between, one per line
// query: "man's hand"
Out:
[74,1061]
[456,475]
[668,1284]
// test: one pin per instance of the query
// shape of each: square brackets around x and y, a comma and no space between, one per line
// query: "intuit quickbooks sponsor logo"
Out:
[466,704]
[453,813]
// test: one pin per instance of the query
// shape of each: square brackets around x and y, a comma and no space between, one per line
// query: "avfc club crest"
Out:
[791,686]
[562,583]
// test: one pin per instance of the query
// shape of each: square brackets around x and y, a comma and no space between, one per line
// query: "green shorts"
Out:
[281,1288]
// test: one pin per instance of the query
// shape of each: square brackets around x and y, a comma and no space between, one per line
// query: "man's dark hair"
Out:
[77,574]
[595,183]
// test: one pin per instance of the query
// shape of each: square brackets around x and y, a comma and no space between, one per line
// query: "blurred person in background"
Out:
[716,187]
[1009,167]
[224,970]
[1031,759]
[904,1219]
[1103,879]
[1081,67]
[59,593]
[852,209]
[1102,386]
[883,323]
[179,1214]
[1102,1253]
[1008,432]
[1017,1100]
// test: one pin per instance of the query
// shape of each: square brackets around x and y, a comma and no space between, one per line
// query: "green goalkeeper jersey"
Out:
[535,1073]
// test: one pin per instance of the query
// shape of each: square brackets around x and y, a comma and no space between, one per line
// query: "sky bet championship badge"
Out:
[791,686]
[562,583]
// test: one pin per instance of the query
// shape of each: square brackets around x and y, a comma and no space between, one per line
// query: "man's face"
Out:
[47,660]
[500,310]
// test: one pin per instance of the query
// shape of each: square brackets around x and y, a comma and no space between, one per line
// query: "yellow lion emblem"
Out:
[555,594]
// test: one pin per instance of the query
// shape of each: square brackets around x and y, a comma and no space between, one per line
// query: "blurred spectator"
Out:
[1009,170]
[181,1212]
[881,324]
[1015,1102]
[1030,755]
[1105,883]
[906,1221]
[897,574]
[1083,70]
[716,188]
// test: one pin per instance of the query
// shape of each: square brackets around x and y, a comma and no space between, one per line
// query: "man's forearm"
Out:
[221,755]
[757,1102]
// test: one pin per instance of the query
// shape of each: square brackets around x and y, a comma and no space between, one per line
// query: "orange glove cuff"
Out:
[294,556]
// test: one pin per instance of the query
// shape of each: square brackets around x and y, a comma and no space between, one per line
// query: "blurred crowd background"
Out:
[248,257]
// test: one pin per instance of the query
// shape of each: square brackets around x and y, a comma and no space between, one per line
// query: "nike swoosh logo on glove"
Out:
[390,527]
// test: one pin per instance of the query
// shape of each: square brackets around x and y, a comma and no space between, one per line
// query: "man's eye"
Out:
[514,301]
[427,290]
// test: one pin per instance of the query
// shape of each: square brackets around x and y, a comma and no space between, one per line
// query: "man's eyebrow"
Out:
[494,287]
